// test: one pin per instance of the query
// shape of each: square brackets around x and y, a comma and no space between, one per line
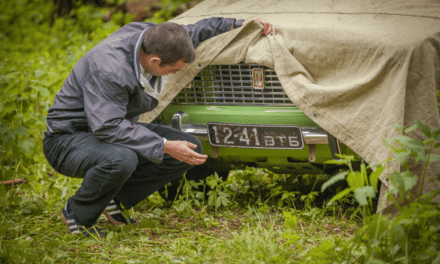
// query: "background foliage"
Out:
[256,216]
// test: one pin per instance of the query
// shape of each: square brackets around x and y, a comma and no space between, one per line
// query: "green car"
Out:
[243,117]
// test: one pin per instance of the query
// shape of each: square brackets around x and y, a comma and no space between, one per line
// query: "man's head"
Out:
[166,48]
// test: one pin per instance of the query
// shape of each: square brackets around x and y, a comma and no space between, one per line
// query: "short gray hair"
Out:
[170,42]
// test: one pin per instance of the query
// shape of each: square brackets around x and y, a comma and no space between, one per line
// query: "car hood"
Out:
[356,68]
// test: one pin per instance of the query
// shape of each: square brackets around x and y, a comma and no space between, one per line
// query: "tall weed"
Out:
[413,234]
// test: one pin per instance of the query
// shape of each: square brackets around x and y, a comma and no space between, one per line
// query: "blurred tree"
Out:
[65,6]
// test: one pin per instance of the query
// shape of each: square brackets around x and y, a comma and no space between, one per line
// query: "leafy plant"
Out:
[218,195]
[360,185]
[290,225]
[412,236]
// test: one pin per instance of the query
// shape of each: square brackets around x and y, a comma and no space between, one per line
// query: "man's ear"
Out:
[155,60]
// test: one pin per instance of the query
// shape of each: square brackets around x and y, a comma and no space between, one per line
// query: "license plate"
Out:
[255,136]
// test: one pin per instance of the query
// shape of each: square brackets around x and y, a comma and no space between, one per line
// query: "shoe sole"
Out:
[65,222]
[113,221]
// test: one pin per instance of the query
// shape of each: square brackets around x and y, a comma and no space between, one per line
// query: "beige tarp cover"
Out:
[357,68]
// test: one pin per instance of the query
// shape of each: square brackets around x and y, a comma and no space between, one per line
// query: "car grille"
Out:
[233,85]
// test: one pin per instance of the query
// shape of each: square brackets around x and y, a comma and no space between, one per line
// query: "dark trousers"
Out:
[111,171]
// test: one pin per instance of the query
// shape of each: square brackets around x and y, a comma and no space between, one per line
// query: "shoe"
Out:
[114,214]
[77,228]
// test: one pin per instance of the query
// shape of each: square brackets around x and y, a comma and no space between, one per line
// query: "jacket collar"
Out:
[137,49]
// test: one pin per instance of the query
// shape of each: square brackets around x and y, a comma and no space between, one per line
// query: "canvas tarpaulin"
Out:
[356,68]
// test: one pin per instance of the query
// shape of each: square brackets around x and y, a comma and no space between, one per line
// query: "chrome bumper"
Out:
[181,121]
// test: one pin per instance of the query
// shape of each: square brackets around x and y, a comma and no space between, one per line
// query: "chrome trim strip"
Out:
[243,92]
[247,104]
[238,98]
[311,135]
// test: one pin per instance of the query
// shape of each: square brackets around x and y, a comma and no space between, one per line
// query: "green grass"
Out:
[164,235]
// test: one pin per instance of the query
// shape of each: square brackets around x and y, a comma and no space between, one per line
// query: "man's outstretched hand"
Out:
[183,151]
[268,28]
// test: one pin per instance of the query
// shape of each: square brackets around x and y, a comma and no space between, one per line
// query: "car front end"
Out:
[242,116]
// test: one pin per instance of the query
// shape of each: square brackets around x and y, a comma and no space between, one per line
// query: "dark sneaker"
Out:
[77,228]
[115,214]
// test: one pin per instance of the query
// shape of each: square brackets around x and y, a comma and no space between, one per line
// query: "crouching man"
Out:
[92,129]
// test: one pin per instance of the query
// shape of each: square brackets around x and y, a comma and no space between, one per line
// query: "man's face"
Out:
[167,69]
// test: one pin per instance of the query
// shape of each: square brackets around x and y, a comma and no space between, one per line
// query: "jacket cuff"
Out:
[238,23]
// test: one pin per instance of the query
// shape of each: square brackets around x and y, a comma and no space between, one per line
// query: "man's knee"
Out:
[197,142]
[122,162]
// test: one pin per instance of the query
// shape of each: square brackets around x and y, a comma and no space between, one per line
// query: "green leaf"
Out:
[419,155]
[38,73]
[193,184]
[218,202]
[428,214]
[12,76]
[402,156]
[287,214]
[2,149]
[374,177]
[425,129]
[109,236]
[211,200]
[289,220]
[408,143]
[199,195]
[211,181]
[43,90]
[411,128]
[9,137]
[355,180]
[346,157]
[409,179]
[338,177]
[340,195]
[222,194]
[4,128]
[397,183]
[429,141]
[27,145]
[429,195]
[225,201]
[361,195]
[40,202]
[181,206]
[12,90]
[70,58]
[287,236]
[8,107]
[338,162]
[21,131]
[326,246]
[434,158]
[436,133]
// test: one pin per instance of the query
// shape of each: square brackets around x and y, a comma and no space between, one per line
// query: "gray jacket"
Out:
[104,94]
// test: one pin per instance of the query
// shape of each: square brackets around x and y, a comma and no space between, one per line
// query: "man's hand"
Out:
[268,28]
[183,151]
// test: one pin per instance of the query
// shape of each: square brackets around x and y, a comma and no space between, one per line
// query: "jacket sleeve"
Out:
[210,27]
[105,105]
